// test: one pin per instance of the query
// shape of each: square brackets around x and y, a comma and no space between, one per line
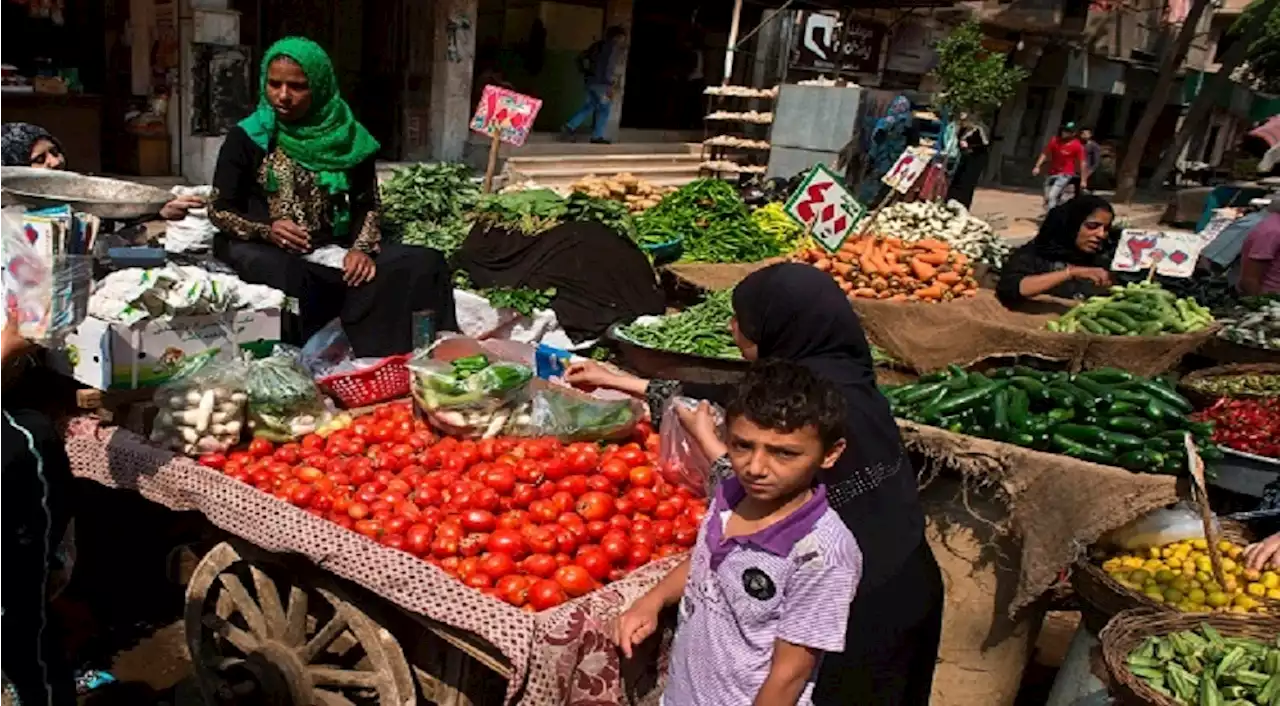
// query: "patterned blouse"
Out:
[244,207]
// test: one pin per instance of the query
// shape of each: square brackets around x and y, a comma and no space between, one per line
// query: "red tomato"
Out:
[595,562]
[478,521]
[667,550]
[417,539]
[216,461]
[663,531]
[260,448]
[397,524]
[624,507]
[595,505]
[289,453]
[645,500]
[540,565]
[500,479]
[497,564]
[639,555]
[443,547]
[450,530]
[395,541]
[523,495]
[642,477]
[312,441]
[302,495]
[616,548]
[358,511]
[563,500]
[506,541]
[478,579]
[616,470]
[566,541]
[369,528]
[473,544]
[597,529]
[599,483]
[541,540]
[632,455]
[686,536]
[665,510]
[513,519]
[486,499]
[545,593]
[543,511]
[513,589]
[575,580]
[308,474]
[553,469]
[583,460]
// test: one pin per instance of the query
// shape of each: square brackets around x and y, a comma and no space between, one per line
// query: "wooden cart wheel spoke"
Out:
[244,604]
[325,676]
[269,600]
[295,618]
[323,638]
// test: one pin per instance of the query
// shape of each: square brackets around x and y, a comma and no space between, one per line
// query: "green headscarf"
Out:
[328,140]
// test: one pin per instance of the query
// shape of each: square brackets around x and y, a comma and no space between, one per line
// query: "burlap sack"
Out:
[931,336]
[713,276]
[1058,505]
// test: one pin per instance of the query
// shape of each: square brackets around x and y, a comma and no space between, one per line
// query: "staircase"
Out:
[556,164]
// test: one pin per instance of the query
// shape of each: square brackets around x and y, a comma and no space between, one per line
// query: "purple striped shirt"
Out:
[792,581]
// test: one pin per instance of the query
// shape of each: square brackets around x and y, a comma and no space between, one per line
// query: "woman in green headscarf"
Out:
[297,206]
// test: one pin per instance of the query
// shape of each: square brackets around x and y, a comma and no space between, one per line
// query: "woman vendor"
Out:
[297,209]
[27,145]
[794,312]
[1067,258]
[891,134]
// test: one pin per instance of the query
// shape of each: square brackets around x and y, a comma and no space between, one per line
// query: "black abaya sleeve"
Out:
[365,206]
[1021,264]
[239,206]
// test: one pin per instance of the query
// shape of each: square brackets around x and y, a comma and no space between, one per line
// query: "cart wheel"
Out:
[314,649]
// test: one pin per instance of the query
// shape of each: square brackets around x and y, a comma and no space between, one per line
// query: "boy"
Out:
[1066,158]
[768,585]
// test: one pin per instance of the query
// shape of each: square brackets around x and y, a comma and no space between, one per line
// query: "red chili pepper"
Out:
[1249,425]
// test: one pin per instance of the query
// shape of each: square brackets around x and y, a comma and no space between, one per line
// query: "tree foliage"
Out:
[1264,53]
[973,79]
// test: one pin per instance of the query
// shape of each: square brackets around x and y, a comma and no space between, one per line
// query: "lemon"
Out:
[1229,566]
[1172,595]
[1256,589]
[1244,601]
[1217,599]
[1164,576]
[1140,576]
[1203,577]
[1203,564]
[1200,544]
[1270,579]
[1174,563]
[1273,594]
[1196,596]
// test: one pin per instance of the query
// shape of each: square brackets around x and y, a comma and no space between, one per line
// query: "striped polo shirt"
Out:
[793,581]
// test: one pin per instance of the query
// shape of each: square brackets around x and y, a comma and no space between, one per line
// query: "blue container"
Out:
[664,253]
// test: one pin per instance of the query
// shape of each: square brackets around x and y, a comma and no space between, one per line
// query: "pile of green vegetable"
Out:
[1238,385]
[531,212]
[1106,416]
[522,300]
[429,205]
[1254,322]
[774,221]
[1136,309]
[713,222]
[614,215]
[1203,668]
[702,329]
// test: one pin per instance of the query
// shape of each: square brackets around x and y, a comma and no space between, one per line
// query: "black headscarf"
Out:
[796,312]
[16,141]
[1056,240]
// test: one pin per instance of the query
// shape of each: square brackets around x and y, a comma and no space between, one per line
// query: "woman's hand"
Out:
[589,375]
[636,624]
[178,207]
[358,268]
[1096,275]
[701,424]
[290,236]
[1260,555]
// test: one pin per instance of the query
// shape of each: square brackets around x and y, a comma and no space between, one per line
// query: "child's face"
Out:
[772,464]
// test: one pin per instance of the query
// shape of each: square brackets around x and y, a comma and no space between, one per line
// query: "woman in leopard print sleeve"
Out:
[299,175]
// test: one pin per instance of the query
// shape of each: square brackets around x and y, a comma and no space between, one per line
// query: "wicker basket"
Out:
[1201,399]
[1127,630]
[1102,597]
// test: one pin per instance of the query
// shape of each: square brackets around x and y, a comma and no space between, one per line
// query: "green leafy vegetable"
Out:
[531,212]
[429,205]
[522,300]
[712,220]
[702,329]
[612,214]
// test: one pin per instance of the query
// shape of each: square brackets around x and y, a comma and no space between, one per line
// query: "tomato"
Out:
[615,470]
[566,541]
[478,579]
[260,448]
[624,507]
[600,484]
[597,529]
[616,548]
[501,480]
[486,499]
[369,528]
[639,555]
[358,511]
[583,460]
[545,593]
[632,455]
[563,500]
[417,539]
[289,453]
[685,536]
[497,564]
[473,544]
[450,530]
[642,477]
[646,500]
[443,547]
[513,589]
[426,496]
[397,524]
[506,541]
[479,520]
[513,519]
[596,563]
[663,531]
[523,495]
[302,495]
[394,541]
[575,580]
[312,441]
[543,511]
[667,550]
[553,469]
[215,461]
[665,510]
[595,505]
[541,540]
[540,565]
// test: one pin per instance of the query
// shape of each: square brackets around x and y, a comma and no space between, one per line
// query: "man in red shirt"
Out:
[1066,163]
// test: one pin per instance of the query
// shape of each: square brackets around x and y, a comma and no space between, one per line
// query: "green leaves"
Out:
[522,300]
[713,221]
[1264,52]
[973,79]
[429,205]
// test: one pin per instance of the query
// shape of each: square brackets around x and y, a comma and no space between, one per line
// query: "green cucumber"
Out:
[1062,399]
[1107,376]
[977,380]
[1023,439]
[1167,396]
[1211,453]
[1082,433]
[920,393]
[1061,414]
[1123,441]
[955,371]
[1138,459]
[1083,398]
[935,376]
[957,401]
[1200,429]
[1113,327]
[1000,414]
[1033,386]
[1095,388]
[1120,408]
[1029,372]
[1124,320]
[1093,326]
[1075,449]
[1019,408]
[1131,396]
[1131,425]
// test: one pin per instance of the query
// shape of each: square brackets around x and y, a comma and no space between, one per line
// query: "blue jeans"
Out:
[597,102]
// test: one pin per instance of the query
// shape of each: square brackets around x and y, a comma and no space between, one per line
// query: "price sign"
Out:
[907,170]
[505,113]
[1174,254]
[823,201]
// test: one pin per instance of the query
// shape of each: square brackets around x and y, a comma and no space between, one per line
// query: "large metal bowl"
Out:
[105,198]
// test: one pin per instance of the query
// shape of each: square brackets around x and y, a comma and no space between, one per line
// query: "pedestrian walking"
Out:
[597,64]
[1066,157]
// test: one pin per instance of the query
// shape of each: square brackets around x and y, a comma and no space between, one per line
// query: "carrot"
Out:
[932,244]
[949,277]
[824,264]
[958,260]
[845,256]
[933,257]
[867,265]
[893,242]
[960,288]
[923,270]
[843,269]
[864,292]
[931,292]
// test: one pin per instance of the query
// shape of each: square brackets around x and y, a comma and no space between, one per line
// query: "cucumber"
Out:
[1061,414]
[1029,372]
[1097,389]
[1083,399]
[977,380]
[1110,313]
[1131,425]
[1200,429]
[1113,327]
[1093,326]
[1159,411]
[1082,433]
[1033,386]
[1150,328]
[957,401]
[1062,399]
[1120,408]
[1211,453]
[955,371]
[1022,439]
[1131,396]
[1107,376]
[935,376]
[1000,414]
[1084,452]
[1167,396]
[1019,408]
[1123,441]
[920,393]
[1138,459]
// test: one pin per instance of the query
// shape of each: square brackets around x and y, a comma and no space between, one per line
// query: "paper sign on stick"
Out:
[907,170]
[507,113]
[822,200]
[1173,253]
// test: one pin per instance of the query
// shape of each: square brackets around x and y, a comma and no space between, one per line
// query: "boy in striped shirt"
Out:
[767,588]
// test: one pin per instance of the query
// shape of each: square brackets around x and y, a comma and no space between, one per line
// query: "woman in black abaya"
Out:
[794,312]
[1068,257]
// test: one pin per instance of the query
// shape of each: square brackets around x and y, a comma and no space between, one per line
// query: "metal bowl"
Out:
[105,198]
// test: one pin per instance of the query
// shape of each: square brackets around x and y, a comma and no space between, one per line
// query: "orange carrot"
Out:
[824,264]
[931,292]
[948,277]
[864,292]
[932,244]
[958,260]
[960,288]
[867,265]
[933,257]
[923,270]
[842,269]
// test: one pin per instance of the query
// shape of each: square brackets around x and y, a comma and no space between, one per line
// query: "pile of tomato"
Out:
[532,522]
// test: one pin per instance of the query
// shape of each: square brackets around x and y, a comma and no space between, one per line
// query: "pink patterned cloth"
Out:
[561,656]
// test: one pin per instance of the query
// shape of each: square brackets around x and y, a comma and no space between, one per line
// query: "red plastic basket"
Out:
[387,380]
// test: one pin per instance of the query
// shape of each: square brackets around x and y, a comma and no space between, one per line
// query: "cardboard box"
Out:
[111,356]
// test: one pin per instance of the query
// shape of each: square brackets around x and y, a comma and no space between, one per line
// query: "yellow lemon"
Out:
[1244,601]
[1270,579]
[1173,563]
[1200,544]
[1229,565]
[1196,596]
[1273,594]
[1139,575]
[1164,576]
[1256,590]
[1217,599]
[1173,596]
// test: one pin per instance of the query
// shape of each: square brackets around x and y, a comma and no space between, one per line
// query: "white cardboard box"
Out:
[112,356]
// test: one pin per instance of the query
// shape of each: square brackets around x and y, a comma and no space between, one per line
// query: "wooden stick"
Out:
[1206,514]
[493,163]
[866,222]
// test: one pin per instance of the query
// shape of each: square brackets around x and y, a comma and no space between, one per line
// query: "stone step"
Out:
[600,164]
[552,173]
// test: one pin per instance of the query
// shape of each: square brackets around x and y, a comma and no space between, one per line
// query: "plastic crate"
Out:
[387,380]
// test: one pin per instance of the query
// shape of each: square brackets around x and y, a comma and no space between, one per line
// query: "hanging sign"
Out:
[827,43]
[908,169]
[823,201]
[505,114]
[1174,254]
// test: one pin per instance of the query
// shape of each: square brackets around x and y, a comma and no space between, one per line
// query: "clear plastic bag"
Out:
[1161,527]
[49,293]
[284,402]
[474,382]
[680,456]
[574,416]
[203,410]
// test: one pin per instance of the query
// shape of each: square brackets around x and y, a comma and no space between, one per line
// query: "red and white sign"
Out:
[823,201]
[507,113]
[1174,254]
[908,169]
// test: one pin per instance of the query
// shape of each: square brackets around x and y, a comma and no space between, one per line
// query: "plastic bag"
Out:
[284,402]
[573,416]
[680,457]
[194,232]
[473,382]
[203,410]
[1161,527]
[49,293]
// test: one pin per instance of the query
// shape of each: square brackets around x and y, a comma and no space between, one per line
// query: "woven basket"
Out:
[1202,399]
[1102,597]
[1127,630]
